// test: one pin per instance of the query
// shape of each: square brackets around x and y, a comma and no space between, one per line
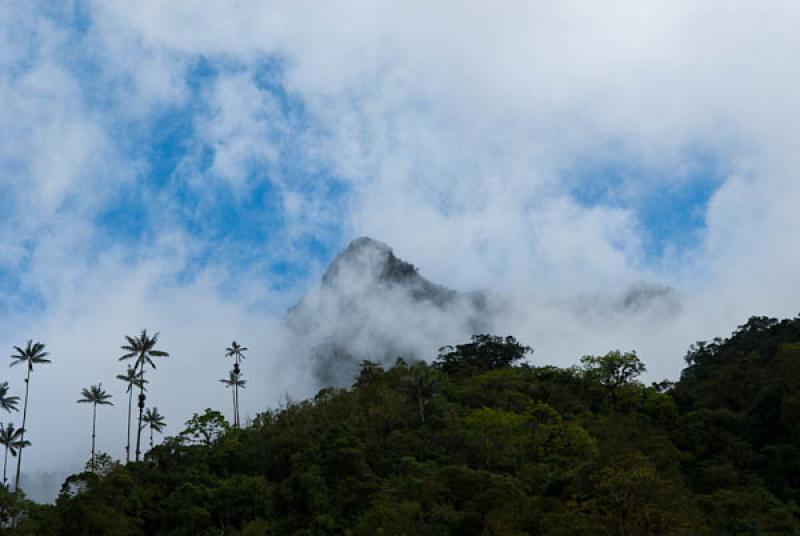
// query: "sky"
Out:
[192,167]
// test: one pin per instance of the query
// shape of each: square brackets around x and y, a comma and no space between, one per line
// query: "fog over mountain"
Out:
[373,305]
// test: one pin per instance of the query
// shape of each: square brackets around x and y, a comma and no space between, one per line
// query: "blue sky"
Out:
[231,222]
[672,214]
[192,167]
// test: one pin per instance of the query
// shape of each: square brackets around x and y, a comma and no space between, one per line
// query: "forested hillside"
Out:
[480,442]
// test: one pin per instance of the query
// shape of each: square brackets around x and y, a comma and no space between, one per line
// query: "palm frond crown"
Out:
[143,349]
[8,403]
[235,350]
[95,395]
[11,438]
[133,379]
[234,380]
[154,419]
[32,354]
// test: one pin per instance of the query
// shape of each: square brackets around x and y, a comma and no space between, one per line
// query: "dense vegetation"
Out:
[479,443]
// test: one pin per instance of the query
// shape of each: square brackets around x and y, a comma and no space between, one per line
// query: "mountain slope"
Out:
[483,448]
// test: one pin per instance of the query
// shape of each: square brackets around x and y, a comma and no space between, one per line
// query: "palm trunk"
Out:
[22,435]
[130,405]
[139,427]
[236,395]
[5,480]
[151,438]
[421,409]
[94,428]
[233,398]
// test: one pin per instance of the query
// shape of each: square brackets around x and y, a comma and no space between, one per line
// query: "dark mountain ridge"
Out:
[377,260]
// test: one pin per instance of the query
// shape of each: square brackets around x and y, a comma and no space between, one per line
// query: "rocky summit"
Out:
[370,299]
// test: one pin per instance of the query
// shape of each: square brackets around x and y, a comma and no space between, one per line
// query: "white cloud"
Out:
[456,123]
[240,128]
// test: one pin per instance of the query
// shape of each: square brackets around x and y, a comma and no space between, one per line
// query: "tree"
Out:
[631,497]
[133,379]
[369,372]
[613,370]
[485,352]
[11,439]
[95,395]
[155,421]
[142,348]
[103,464]
[236,351]
[205,428]
[496,438]
[32,354]
[8,403]
[422,384]
[235,381]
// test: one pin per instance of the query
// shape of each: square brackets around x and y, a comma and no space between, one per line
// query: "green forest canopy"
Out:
[479,442]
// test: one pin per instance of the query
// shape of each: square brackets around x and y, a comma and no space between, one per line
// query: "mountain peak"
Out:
[373,305]
[369,259]
[366,242]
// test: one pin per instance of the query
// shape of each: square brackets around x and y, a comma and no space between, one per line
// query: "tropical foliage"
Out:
[480,443]
[95,395]
[155,421]
[142,350]
[132,379]
[7,402]
[235,382]
[33,354]
[12,440]
[237,352]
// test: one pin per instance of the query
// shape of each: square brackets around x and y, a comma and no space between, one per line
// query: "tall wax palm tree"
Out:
[8,435]
[32,354]
[11,439]
[142,348]
[133,379]
[8,403]
[95,395]
[236,351]
[235,380]
[155,421]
